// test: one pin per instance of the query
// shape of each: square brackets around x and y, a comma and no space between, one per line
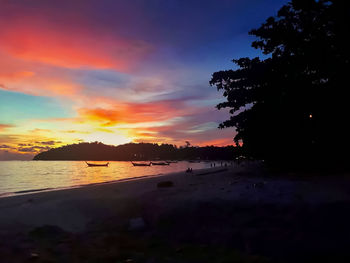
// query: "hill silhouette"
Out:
[98,151]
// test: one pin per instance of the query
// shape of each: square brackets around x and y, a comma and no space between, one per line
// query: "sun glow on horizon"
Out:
[110,138]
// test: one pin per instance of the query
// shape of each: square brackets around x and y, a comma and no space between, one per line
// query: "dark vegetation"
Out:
[138,151]
[292,106]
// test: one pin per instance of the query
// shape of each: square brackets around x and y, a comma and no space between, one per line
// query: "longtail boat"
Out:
[97,164]
[160,163]
[141,164]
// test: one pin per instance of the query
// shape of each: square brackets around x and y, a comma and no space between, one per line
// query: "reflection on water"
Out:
[18,176]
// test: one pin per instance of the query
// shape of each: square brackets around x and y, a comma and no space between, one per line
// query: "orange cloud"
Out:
[43,86]
[28,144]
[134,112]
[16,75]
[5,126]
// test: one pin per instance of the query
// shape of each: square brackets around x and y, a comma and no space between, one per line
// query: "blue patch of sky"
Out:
[95,78]
[102,77]
[15,107]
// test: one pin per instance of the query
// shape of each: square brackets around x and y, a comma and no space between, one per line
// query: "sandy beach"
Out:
[223,214]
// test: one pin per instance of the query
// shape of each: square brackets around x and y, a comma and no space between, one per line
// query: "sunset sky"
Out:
[118,71]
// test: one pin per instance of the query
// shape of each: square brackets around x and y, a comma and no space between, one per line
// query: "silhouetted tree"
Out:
[293,105]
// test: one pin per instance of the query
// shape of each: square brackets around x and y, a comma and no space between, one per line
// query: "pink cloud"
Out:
[38,39]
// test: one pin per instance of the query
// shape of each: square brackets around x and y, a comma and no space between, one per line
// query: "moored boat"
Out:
[141,164]
[97,164]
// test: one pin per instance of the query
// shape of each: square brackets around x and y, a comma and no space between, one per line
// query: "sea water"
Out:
[18,177]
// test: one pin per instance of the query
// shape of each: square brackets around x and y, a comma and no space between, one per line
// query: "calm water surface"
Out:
[17,176]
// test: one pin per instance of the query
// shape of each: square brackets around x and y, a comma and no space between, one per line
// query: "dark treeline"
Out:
[137,152]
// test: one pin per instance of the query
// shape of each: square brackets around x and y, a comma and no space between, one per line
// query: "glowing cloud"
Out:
[134,112]
[37,40]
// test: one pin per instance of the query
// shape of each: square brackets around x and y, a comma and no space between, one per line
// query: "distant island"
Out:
[98,151]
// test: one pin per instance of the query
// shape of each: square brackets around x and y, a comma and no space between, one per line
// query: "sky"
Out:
[118,71]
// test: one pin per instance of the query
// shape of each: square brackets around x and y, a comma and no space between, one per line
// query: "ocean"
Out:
[19,177]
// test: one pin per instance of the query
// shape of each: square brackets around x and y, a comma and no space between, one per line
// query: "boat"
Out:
[172,161]
[141,164]
[160,163]
[194,161]
[97,164]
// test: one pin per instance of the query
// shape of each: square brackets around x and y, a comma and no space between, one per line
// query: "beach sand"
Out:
[223,214]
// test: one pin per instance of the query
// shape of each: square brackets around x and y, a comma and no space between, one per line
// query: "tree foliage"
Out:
[294,103]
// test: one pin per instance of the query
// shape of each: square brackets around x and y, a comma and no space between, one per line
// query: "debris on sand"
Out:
[165,184]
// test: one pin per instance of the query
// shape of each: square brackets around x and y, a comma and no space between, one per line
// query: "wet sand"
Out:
[223,214]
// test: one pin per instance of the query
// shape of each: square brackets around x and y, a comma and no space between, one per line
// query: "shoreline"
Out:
[43,190]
